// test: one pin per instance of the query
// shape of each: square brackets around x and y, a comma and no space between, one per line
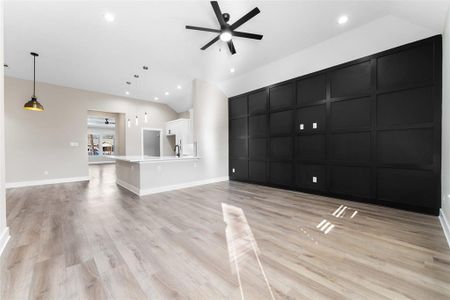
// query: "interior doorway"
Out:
[104,136]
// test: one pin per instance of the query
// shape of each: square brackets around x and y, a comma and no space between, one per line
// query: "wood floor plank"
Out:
[227,240]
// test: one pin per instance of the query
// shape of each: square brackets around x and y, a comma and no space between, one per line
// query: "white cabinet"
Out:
[171,127]
[181,129]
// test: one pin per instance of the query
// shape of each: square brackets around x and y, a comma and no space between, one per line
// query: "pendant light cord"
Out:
[34,76]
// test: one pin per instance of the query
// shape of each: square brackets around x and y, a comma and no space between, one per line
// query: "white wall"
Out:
[379,35]
[210,129]
[39,141]
[446,120]
[4,232]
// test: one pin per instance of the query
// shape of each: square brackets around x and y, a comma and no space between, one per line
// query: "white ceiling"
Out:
[79,49]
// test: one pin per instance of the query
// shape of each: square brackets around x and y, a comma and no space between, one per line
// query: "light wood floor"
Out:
[219,241]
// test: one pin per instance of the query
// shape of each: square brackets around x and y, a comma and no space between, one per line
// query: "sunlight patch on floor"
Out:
[242,247]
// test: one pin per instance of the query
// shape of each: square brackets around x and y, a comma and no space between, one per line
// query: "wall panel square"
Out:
[257,149]
[282,96]
[407,107]
[238,107]
[281,123]
[405,146]
[238,128]
[258,126]
[352,80]
[351,114]
[413,66]
[257,102]
[311,89]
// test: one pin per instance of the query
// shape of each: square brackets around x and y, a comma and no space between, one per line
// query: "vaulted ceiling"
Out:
[78,48]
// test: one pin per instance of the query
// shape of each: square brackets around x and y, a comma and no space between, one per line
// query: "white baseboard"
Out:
[10,185]
[4,238]
[445,225]
[102,162]
[143,192]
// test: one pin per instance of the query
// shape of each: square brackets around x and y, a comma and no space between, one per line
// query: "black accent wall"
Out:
[367,130]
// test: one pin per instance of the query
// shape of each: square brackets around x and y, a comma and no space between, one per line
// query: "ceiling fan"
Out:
[227,31]
[107,122]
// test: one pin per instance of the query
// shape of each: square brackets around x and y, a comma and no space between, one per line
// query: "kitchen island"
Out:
[144,175]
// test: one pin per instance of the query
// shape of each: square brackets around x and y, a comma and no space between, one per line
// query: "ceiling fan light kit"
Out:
[227,31]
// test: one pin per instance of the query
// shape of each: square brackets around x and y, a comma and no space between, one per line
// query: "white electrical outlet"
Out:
[314,179]
[233,170]
[302,126]
[314,125]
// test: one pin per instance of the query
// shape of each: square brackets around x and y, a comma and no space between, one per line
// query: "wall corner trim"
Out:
[4,238]
[10,185]
[445,226]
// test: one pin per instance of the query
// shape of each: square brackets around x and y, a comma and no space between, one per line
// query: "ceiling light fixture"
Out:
[34,104]
[109,17]
[179,87]
[343,19]
[232,70]
[226,36]
[136,76]
[156,98]
[145,68]
[127,92]
[166,93]
[128,82]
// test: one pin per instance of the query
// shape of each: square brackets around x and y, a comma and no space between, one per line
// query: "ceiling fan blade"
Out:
[245,18]
[202,29]
[216,8]
[210,43]
[231,47]
[247,35]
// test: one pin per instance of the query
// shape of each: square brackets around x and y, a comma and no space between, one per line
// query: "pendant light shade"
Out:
[34,104]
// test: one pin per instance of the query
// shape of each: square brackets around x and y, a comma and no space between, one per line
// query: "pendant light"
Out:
[34,104]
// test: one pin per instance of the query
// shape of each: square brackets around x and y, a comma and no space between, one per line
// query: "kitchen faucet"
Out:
[177,153]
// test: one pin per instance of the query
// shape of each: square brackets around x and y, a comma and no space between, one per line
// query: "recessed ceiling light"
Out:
[109,17]
[343,19]
[166,93]
[179,87]
[232,70]
[156,98]
[225,36]
[127,92]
